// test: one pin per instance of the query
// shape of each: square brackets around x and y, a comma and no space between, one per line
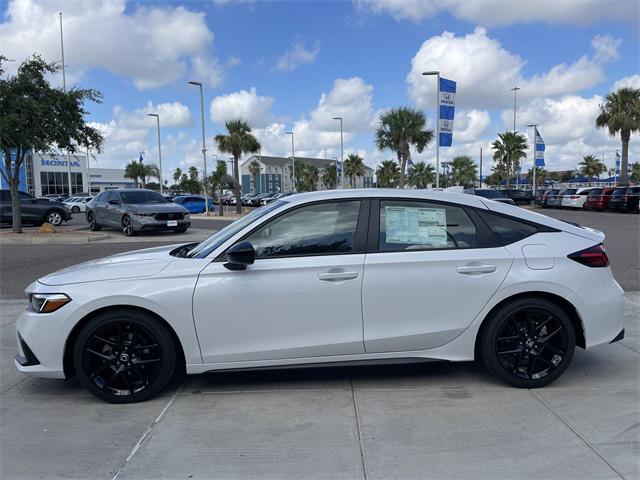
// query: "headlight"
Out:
[47,302]
[187,216]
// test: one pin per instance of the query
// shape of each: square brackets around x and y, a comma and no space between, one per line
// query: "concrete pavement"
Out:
[436,420]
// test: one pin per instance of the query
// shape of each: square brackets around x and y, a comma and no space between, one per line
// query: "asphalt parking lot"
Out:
[433,420]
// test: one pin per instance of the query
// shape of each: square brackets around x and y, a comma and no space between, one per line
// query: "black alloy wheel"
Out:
[93,225]
[125,356]
[528,343]
[127,226]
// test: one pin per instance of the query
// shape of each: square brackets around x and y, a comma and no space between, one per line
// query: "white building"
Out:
[276,172]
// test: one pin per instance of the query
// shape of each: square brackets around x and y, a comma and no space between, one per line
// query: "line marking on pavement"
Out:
[147,432]
[355,411]
[12,386]
[570,427]
[629,347]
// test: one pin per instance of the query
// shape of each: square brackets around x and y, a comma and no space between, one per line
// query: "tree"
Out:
[177,174]
[400,129]
[387,174]
[510,148]
[193,173]
[464,171]
[541,175]
[422,175]
[635,171]
[353,168]
[254,170]
[219,180]
[36,117]
[311,177]
[498,173]
[592,167]
[238,140]
[134,171]
[330,176]
[149,171]
[621,113]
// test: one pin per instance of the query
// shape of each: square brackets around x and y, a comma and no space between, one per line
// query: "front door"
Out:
[426,278]
[301,297]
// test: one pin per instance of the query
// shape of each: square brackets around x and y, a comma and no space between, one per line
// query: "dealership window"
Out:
[58,183]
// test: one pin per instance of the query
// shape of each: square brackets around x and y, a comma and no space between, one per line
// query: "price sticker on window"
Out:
[416,226]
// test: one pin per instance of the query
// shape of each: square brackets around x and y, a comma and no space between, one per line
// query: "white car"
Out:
[575,197]
[78,204]
[327,277]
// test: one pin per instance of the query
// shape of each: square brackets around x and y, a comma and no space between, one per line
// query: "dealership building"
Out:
[275,174]
[42,174]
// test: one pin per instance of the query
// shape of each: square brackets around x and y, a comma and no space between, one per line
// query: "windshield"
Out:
[142,197]
[214,241]
[619,191]
[489,193]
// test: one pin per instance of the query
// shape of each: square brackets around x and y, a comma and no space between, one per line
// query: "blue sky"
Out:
[294,65]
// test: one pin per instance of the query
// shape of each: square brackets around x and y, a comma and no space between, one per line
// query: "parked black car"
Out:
[625,199]
[33,211]
[519,196]
[496,195]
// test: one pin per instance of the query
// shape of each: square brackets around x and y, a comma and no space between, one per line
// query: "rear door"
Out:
[430,269]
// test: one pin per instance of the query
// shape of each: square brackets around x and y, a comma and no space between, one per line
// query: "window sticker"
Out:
[416,226]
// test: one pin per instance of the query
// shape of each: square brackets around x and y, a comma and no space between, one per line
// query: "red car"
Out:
[598,198]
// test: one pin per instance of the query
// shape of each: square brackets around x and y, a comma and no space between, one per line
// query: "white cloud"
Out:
[153,46]
[485,71]
[507,12]
[632,81]
[297,56]
[350,99]
[247,105]
[471,125]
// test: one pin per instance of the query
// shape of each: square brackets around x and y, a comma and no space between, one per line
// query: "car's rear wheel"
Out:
[54,217]
[75,209]
[93,225]
[127,226]
[528,343]
[125,356]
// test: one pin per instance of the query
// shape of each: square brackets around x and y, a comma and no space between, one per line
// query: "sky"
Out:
[293,66]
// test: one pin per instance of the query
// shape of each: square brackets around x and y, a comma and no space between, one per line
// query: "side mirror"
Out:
[114,202]
[240,255]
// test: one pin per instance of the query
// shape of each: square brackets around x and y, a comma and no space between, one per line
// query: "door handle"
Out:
[337,276]
[471,269]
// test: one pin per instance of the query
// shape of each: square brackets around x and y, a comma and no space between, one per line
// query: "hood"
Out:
[156,207]
[136,264]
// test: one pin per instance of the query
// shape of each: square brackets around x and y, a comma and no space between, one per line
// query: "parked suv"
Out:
[134,210]
[625,199]
[490,193]
[33,211]
[598,199]
[576,199]
[519,196]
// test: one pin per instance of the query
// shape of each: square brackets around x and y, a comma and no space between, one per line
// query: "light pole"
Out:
[515,97]
[534,126]
[437,75]
[89,172]
[64,87]
[293,161]
[341,154]
[204,148]
[159,148]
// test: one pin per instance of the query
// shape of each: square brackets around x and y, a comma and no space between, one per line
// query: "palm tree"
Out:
[177,174]
[330,176]
[149,171]
[254,170]
[353,168]
[193,173]
[635,171]
[220,180]
[592,167]
[422,175]
[135,171]
[311,177]
[398,130]
[238,140]
[621,113]
[510,148]
[463,170]
[541,174]
[498,173]
[387,174]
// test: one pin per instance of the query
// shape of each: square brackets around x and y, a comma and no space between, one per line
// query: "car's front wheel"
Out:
[93,225]
[54,217]
[127,226]
[528,343]
[75,209]
[125,356]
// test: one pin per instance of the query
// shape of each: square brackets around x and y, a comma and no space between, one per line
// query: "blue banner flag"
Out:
[140,159]
[539,149]
[447,110]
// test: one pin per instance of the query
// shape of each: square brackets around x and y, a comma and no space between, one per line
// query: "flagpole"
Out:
[535,127]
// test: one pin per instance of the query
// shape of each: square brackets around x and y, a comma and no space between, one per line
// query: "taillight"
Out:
[591,257]
[574,196]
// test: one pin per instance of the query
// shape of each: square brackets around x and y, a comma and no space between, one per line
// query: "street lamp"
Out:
[341,154]
[515,95]
[159,148]
[204,148]
[534,125]
[437,75]
[293,161]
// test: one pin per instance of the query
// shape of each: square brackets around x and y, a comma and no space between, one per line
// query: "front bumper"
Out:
[150,223]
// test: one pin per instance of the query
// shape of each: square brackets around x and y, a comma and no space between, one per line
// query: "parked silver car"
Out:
[134,211]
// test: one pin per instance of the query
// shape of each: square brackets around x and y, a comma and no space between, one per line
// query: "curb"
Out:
[52,239]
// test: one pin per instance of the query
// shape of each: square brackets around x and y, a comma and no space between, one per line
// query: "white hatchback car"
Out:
[326,277]
[575,198]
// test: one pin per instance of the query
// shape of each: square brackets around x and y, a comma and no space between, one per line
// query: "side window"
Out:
[5,195]
[507,229]
[25,197]
[416,225]
[324,228]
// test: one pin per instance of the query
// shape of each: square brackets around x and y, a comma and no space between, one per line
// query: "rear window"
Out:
[619,191]
[507,229]
[633,191]
[595,192]
[570,191]
[489,193]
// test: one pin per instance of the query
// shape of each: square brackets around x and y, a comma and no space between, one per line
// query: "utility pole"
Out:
[341,153]
[437,75]
[535,126]
[293,161]
[480,167]
[204,147]
[515,96]
[64,87]
[159,148]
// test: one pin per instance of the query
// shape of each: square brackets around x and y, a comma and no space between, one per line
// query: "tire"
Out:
[180,230]
[54,217]
[516,331]
[127,226]
[110,363]
[93,225]
[75,209]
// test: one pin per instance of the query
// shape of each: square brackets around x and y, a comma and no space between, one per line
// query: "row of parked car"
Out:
[622,199]
[252,199]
